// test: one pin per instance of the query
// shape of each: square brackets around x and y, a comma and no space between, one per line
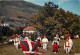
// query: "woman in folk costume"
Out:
[38,41]
[67,46]
[45,42]
[55,45]
[16,41]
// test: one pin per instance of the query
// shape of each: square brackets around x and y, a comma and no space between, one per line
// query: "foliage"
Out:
[18,31]
[5,31]
[54,20]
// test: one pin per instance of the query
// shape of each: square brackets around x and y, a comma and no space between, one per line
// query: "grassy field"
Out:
[10,49]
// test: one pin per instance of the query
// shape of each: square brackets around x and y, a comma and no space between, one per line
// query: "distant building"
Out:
[4,24]
[29,30]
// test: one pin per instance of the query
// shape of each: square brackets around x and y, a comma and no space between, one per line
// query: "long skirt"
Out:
[39,43]
[55,48]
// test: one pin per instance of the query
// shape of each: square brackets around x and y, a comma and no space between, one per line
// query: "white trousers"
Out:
[68,49]
[17,45]
[44,46]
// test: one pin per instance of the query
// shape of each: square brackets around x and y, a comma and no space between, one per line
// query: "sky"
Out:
[68,5]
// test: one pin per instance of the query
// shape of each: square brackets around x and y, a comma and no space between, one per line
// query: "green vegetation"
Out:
[19,8]
[54,20]
[11,50]
[5,31]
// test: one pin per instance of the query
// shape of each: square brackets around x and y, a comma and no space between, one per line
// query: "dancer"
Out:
[38,41]
[55,45]
[45,42]
[16,42]
[67,46]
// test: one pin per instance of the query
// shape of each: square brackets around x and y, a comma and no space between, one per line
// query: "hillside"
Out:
[18,9]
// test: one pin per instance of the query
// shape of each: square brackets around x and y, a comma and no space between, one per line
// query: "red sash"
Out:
[16,41]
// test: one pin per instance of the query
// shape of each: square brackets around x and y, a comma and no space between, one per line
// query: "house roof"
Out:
[29,28]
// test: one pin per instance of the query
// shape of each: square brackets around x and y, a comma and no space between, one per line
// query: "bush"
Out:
[5,31]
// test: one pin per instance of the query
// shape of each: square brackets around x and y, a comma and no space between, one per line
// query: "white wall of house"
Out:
[28,31]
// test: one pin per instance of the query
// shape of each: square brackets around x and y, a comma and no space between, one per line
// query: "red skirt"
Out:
[39,43]
[55,48]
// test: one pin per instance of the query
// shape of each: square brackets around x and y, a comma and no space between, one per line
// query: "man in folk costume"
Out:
[27,38]
[71,42]
[16,41]
[29,47]
[45,42]
[67,46]
[55,45]
[38,41]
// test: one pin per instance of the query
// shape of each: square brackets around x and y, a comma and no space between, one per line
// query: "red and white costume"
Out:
[45,42]
[55,45]
[16,42]
[68,45]
[30,47]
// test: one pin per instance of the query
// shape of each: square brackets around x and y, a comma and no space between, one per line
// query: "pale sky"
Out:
[67,5]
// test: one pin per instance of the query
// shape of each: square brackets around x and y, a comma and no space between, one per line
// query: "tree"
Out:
[6,31]
[19,31]
[44,19]
[49,9]
[54,20]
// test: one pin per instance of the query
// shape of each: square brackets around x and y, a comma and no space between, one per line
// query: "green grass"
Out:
[11,50]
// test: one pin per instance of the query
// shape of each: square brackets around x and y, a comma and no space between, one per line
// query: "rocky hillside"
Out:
[18,10]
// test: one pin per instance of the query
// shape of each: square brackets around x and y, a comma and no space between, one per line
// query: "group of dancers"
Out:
[68,45]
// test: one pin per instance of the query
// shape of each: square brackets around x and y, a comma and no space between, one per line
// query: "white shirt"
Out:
[70,41]
[55,42]
[44,40]
[39,38]
[16,41]
[66,44]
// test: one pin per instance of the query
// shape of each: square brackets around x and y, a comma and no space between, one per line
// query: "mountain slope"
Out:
[19,12]
[17,8]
